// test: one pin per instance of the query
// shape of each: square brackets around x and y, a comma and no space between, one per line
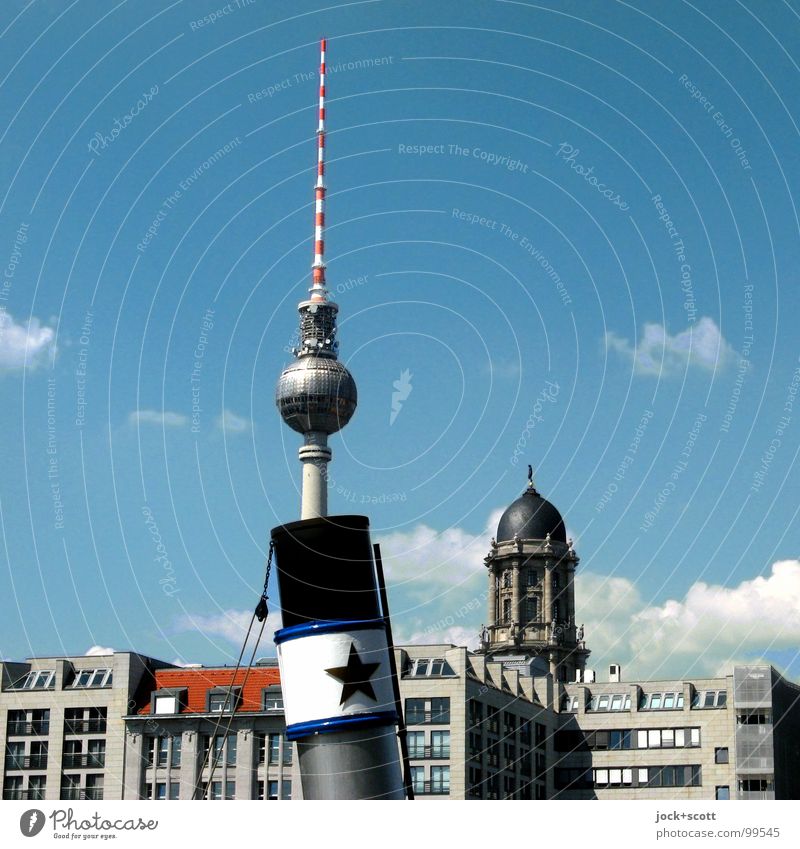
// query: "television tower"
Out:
[316,394]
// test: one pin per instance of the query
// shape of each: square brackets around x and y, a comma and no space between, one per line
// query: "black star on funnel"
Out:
[355,676]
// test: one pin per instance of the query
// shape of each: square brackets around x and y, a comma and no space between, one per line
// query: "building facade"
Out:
[62,726]
[204,733]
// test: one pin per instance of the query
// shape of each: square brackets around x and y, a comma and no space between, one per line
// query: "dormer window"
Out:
[40,679]
[92,678]
[168,701]
[223,699]
[273,698]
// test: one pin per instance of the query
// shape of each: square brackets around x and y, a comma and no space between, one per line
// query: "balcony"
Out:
[758,795]
[26,729]
[431,788]
[429,752]
[16,795]
[77,793]
[26,762]
[427,718]
[90,761]
[85,726]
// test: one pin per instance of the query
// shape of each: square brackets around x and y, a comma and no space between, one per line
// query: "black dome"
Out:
[531,517]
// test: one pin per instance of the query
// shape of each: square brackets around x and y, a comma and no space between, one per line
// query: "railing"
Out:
[84,761]
[26,762]
[24,729]
[427,718]
[755,794]
[431,788]
[76,793]
[85,726]
[429,752]
[32,793]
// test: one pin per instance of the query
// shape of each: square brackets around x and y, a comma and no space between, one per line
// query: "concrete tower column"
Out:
[547,613]
[315,456]
[492,595]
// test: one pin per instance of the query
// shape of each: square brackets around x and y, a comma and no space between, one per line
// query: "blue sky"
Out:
[567,229]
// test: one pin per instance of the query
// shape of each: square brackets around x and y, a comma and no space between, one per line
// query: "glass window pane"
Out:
[615,776]
[641,739]
[616,702]
[655,701]
[722,698]
[669,700]
[695,736]
[627,776]
[602,704]
[653,739]
[680,735]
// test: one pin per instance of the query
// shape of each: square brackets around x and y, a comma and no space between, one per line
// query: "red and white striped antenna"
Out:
[319,293]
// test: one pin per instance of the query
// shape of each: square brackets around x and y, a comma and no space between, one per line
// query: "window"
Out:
[92,678]
[755,785]
[416,744]
[260,746]
[70,786]
[230,751]
[418,779]
[165,704]
[510,755]
[531,609]
[415,711]
[756,717]
[37,784]
[287,752]
[493,718]
[507,578]
[506,610]
[274,748]
[40,679]
[723,793]
[175,756]
[661,701]
[12,787]
[272,790]
[709,699]
[174,790]
[162,753]
[541,734]
[286,789]
[440,710]
[603,703]
[223,700]
[721,756]
[96,756]
[531,578]
[440,779]
[427,667]
[161,791]
[273,699]
[230,789]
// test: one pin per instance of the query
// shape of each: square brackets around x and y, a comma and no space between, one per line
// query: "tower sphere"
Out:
[316,393]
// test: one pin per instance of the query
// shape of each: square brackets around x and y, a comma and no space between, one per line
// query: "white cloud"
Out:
[23,345]
[98,651]
[157,417]
[708,630]
[231,423]
[231,625]
[660,354]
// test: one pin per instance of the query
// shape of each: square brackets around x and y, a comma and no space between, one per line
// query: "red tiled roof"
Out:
[198,681]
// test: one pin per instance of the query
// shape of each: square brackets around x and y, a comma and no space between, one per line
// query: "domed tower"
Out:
[316,394]
[531,589]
